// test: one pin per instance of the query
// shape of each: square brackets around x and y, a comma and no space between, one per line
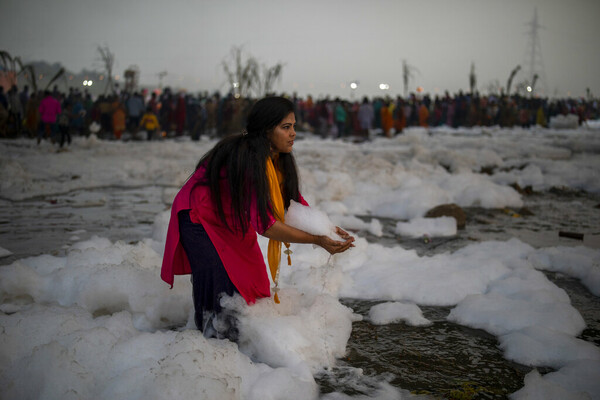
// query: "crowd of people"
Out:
[148,115]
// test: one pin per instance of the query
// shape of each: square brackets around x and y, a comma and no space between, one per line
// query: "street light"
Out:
[384,86]
[353,87]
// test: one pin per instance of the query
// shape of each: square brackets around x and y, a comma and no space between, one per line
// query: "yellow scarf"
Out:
[274,250]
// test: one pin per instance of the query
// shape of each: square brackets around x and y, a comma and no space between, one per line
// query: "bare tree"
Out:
[246,77]
[10,64]
[407,75]
[510,79]
[60,73]
[242,75]
[472,78]
[270,75]
[533,82]
[107,59]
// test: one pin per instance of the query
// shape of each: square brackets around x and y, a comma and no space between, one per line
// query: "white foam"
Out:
[432,227]
[580,262]
[4,252]
[387,313]
[98,322]
[311,220]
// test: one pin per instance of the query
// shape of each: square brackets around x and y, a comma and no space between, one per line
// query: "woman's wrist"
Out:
[318,240]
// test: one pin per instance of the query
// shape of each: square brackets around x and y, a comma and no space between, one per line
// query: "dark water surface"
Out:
[444,359]
[49,224]
[450,361]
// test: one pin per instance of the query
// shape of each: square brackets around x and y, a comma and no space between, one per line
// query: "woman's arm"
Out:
[285,233]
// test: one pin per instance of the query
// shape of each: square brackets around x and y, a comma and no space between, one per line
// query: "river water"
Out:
[443,360]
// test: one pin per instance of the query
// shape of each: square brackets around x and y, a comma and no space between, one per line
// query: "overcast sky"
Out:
[324,44]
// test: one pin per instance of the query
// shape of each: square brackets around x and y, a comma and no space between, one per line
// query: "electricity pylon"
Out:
[535,71]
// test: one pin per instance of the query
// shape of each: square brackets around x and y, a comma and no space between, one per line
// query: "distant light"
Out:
[529,89]
[117,77]
[85,83]
[419,89]
[342,85]
[88,83]
[236,84]
[384,86]
[101,77]
[237,96]
[353,85]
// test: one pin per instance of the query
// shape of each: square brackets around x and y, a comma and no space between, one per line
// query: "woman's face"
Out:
[282,136]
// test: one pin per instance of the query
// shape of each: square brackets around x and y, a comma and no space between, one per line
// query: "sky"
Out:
[324,45]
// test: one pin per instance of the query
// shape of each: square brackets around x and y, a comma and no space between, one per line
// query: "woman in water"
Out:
[239,188]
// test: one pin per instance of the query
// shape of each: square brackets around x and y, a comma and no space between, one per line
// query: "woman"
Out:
[240,187]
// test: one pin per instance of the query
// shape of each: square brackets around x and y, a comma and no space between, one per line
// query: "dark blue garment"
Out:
[209,277]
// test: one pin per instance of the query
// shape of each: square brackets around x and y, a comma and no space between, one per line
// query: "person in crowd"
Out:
[167,110]
[64,125]
[3,98]
[78,114]
[32,115]
[153,103]
[180,114]
[423,115]
[387,121]
[240,187]
[399,117]
[211,116]
[15,109]
[135,109]
[366,116]
[3,120]
[119,120]
[199,121]
[340,117]
[49,110]
[105,110]
[150,123]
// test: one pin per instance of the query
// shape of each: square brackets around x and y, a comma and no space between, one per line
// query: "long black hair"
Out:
[242,159]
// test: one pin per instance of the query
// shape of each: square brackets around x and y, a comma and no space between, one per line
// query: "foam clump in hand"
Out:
[310,220]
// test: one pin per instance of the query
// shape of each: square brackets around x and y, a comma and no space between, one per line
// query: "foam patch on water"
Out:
[4,252]
[432,227]
[387,313]
[529,346]
[577,381]
[579,262]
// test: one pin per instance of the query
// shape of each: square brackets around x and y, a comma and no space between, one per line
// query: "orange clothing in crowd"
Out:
[387,121]
[423,115]
[118,120]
